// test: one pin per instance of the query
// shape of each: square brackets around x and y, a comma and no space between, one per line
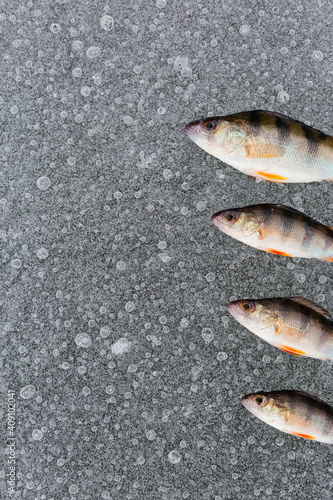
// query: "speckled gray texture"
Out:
[114,282]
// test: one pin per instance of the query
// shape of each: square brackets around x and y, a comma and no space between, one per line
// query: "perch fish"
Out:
[266,145]
[293,412]
[277,229]
[294,324]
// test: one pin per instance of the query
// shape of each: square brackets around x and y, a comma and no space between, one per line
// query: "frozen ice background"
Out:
[128,370]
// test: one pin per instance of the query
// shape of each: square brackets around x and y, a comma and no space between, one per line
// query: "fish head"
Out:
[255,315]
[217,136]
[269,407]
[237,222]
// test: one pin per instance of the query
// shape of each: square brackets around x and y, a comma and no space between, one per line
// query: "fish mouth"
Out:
[244,401]
[231,308]
[217,220]
[192,129]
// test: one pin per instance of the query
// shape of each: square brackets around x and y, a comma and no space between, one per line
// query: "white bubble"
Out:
[121,346]
[222,356]
[105,331]
[210,277]
[71,160]
[77,72]
[301,278]
[16,263]
[280,441]
[42,253]
[107,23]
[161,111]
[207,335]
[184,322]
[43,183]
[86,391]
[129,306]
[201,205]
[174,457]
[128,120]
[317,55]
[55,28]
[117,195]
[167,174]
[164,257]
[181,62]
[77,45]
[283,97]
[37,434]
[83,340]
[27,392]
[121,265]
[245,29]
[109,389]
[14,109]
[85,91]
[151,435]
[160,4]
[140,460]
[93,52]
[73,489]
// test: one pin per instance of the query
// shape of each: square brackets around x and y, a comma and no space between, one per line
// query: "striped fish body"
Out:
[277,229]
[295,324]
[293,412]
[266,145]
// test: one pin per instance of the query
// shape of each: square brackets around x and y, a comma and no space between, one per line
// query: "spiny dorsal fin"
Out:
[312,305]
[304,393]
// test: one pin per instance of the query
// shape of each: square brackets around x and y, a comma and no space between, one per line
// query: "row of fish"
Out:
[277,148]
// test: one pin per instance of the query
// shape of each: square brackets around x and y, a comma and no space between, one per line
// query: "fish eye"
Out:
[229,216]
[260,400]
[246,306]
[210,125]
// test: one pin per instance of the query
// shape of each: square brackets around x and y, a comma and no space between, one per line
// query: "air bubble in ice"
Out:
[93,52]
[37,434]
[107,22]
[174,457]
[42,253]
[244,30]
[16,263]
[83,340]
[43,183]
[27,392]
[121,346]
[317,55]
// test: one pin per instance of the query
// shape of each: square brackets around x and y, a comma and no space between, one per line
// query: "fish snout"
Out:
[217,219]
[245,401]
[232,307]
[193,129]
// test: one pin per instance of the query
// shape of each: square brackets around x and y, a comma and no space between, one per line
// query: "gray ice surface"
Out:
[127,368]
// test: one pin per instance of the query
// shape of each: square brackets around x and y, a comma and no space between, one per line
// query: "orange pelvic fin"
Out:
[328,260]
[291,350]
[278,252]
[271,177]
[306,436]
